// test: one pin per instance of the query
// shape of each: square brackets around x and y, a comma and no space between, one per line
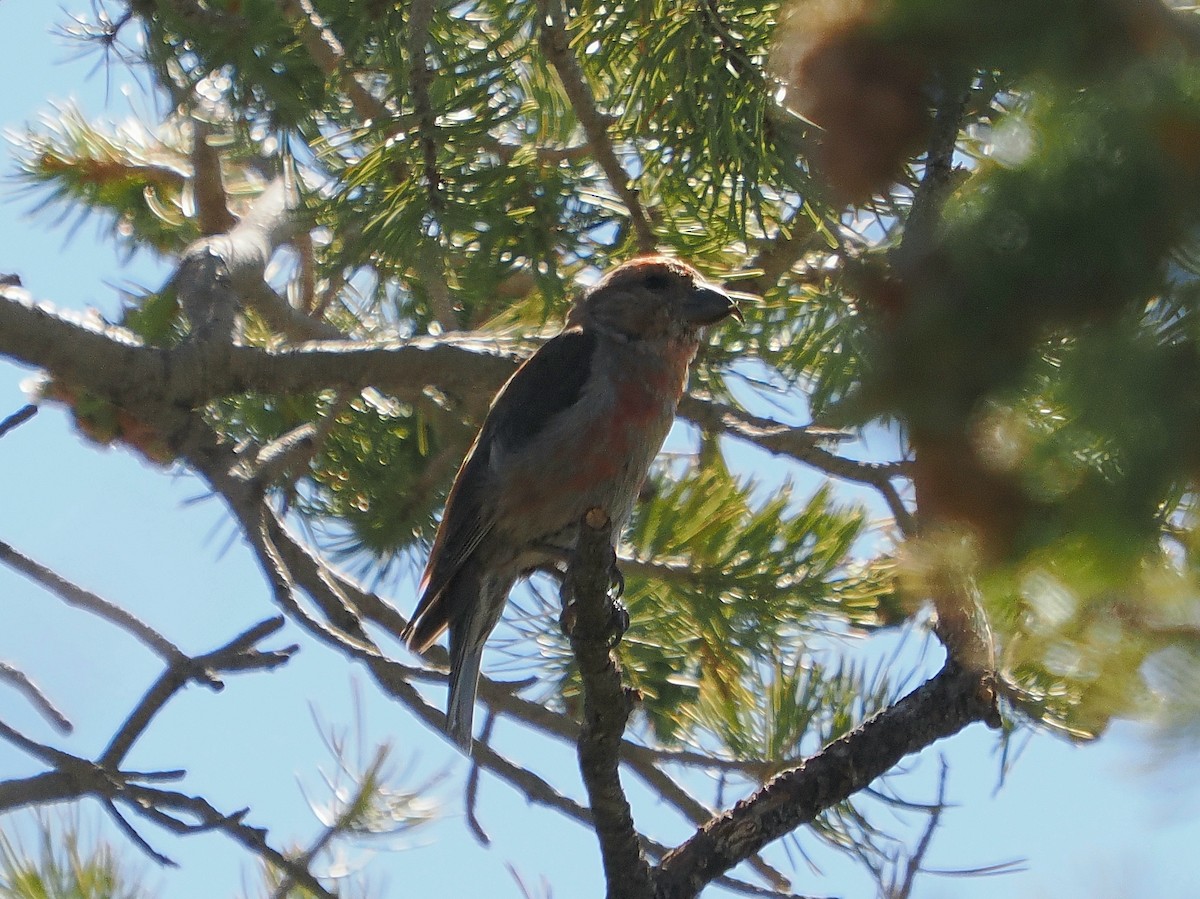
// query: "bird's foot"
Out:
[615,628]
[618,622]
[616,580]
[568,617]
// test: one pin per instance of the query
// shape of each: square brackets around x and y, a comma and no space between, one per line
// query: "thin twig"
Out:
[802,445]
[90,602]
[935,815]
[36,697]
[18,418]
[150,802]
[237,655]
[73,777]
[471,792]
[136,838]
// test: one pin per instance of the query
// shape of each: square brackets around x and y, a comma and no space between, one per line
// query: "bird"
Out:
[575,428]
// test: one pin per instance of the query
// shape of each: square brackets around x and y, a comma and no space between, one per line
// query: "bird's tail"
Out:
[476,601]
[466,653]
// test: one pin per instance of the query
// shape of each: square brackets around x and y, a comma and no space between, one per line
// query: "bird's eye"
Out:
[657,281]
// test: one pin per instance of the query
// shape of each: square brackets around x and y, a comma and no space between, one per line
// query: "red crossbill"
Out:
[575,428]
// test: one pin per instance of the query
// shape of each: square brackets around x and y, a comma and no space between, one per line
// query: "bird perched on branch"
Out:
[575,428]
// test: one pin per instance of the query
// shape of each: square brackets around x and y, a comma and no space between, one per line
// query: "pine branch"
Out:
[937,179]
[556,44]
[802,445]
[115,363]
[939,708]
[237,655]
[903,890]
[606,707]
[777,256]
[327,53]
[208,184]
[214,271]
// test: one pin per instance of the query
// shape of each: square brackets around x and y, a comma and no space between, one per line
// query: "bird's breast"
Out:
[598,452]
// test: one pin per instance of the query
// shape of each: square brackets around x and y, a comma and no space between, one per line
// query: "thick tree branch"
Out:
[113,362]
[606,708]
[938,708]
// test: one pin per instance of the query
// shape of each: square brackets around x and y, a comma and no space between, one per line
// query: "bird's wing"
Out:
[549,382]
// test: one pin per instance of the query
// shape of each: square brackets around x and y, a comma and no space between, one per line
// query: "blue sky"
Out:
[1114,819]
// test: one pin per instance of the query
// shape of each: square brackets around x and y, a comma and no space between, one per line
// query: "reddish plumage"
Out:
[576,427]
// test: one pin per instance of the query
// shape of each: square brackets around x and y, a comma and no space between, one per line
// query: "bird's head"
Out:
[653,298]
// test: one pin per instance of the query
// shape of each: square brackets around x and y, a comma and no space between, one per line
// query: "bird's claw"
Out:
[616,582]
[618,622]
[566,620]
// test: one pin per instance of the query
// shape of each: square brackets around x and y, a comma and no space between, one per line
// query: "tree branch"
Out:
[73,777]
[937,179]
[904,889]
[238,654]
[18,418]
[556,44]
[327,53]
[90,602]
[39,700]
[113,362]
[216,271]
[208,184]
[938,708]
[606,707]
[801,444]
[776,257]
